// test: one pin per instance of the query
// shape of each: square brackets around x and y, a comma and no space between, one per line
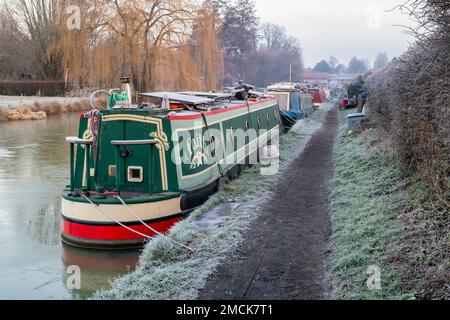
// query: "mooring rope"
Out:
[130,229]
[221,171]
[150,228]
[95,118]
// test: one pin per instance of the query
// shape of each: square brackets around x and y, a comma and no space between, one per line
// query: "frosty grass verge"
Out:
[367,196]
[166,271]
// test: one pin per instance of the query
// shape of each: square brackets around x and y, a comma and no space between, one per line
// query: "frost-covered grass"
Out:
[368,192]
[167,271]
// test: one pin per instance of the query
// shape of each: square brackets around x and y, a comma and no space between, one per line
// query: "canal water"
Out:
[34,264]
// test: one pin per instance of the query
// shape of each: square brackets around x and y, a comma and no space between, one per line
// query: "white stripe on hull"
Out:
[146,211]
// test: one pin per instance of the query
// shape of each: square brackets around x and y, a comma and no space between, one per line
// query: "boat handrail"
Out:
[78,141]
[134,142]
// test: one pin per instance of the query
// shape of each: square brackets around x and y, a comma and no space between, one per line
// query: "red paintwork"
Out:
[115,233]
[92,260]
[211,113]
[318,96]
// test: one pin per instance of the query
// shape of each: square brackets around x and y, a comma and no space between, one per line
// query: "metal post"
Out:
[72,167]
[87,159]
[87,144]
[290,73]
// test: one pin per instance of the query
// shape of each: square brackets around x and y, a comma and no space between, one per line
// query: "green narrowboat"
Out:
[137,170]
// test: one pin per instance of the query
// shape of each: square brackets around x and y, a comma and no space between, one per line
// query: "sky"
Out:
[340,28]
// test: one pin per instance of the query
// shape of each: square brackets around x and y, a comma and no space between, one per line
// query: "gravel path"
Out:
[285,252]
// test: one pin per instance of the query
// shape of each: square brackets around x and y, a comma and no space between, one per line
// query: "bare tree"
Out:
[273,35]
[39,23]
[15,56]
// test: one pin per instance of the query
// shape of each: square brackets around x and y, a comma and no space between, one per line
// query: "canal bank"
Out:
[167,271]
[390,234]
[14,108]
[366,196]
[34,168]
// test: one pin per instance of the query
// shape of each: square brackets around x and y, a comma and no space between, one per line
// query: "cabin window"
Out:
[259,122]
[135,174]
[247,125]
[268,121]
[275,113]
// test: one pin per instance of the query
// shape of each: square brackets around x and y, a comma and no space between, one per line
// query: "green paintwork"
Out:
[117,97]
[138,125]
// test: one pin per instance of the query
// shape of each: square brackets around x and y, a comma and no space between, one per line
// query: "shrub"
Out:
[410,98]
[32,88]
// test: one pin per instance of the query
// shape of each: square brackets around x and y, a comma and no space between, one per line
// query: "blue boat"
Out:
[293,103]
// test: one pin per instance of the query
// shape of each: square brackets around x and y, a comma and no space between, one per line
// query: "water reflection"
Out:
[98,268]
[45,226]
[34,168]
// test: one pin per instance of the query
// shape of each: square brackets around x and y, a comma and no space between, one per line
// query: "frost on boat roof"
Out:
[285,86]
[180,98]
[211,95]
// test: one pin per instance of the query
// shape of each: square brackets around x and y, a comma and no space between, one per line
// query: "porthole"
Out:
[247,125]
[135,174]
[268,120]
[259,122]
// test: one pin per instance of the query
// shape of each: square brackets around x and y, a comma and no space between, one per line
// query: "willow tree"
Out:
[165,44]
[15,56]
[209,57]
[197,62]
[139,28]
[87,53]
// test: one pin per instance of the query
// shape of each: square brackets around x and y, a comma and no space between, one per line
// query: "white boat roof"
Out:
[211,95]
[178,97]
[282,87]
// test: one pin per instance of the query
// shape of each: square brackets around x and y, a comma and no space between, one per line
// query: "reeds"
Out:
[41,110]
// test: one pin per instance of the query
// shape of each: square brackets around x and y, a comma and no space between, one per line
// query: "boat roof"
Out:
[179,98]
[285,86]
[211,95]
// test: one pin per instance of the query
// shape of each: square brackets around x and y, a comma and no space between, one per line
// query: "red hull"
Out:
[101,235]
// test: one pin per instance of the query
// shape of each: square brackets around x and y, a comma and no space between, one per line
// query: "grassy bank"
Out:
[168,272]
[384,216]
[39,110]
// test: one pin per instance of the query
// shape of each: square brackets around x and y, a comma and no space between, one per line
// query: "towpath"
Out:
[285,252]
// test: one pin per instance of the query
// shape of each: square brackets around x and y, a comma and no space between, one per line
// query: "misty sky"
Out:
[342,28]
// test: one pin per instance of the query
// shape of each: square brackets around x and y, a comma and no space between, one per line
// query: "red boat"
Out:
[319,96]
